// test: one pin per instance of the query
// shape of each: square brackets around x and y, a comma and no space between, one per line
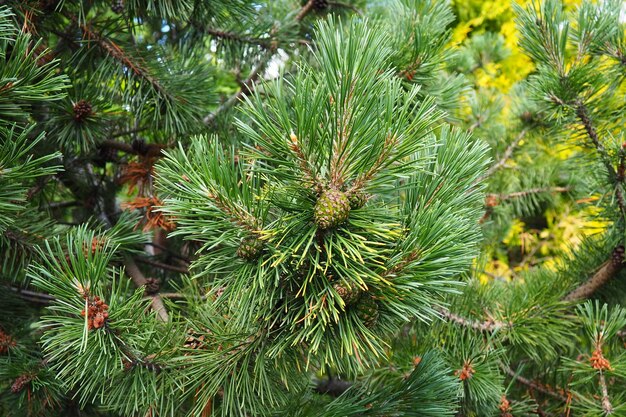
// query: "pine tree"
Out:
[287,208]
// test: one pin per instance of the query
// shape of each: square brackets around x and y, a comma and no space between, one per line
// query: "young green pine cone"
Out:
[357,200]
[332,209]
[347,294]
[250,248]
[367,310]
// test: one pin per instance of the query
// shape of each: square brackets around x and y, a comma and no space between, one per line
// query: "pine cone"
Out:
[250,248]
[357,200]
[20,383]
[348,295]
[82,110]
[332,209]
[367,310]
[117,6]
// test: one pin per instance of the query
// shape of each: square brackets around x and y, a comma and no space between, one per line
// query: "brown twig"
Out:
[248,83]
[264,43]
[306,9]
[606,402]
[32,296]
[161,265]
[536,386]
[246,87]
[139,280]
[518,194]
[117,53]
[505,156]
[607,270]
[489,325]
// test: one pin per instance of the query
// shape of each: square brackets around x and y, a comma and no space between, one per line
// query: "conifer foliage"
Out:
[283,208]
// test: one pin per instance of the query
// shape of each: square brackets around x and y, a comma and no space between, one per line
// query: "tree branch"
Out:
[489,325]
[607,270]
[505,156]
[606,402]
[162,265]
[263,43]
[249,82]
[246,87]
[532,384]
[140,281]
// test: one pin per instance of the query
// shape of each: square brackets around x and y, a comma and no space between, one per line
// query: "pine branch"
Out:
[536,386]
[488,325]
[505,156]
[247,86]
[249,82]
[518,194]
[117,53]
[161,265]
[583,115]
[140,281]
[32,296]
[306,9]
[263,43]
[346,6]
[332,386]
[606,402]
[138,147]
[607,270]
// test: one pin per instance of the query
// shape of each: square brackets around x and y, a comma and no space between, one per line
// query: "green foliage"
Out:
[338,208]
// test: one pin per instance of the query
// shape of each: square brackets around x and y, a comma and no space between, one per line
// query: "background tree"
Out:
[276,208]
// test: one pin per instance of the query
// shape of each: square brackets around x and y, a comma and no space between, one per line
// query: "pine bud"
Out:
[357,200]
[82,110]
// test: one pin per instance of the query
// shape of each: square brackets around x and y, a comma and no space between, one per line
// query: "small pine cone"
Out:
[82,110]
[250,248]
[367,310]
[332,209]
[357,200]
[348,295]
[20,383]
[117,6]
[618,255]
[320,4]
